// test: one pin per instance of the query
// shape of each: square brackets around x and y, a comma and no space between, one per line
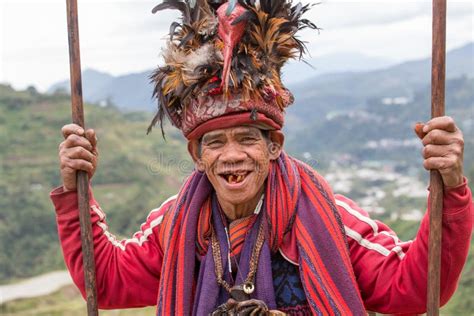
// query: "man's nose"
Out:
[233,153]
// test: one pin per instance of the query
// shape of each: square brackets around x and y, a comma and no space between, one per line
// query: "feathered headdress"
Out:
[225,57]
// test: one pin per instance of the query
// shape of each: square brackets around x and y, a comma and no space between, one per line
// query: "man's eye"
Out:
[214,143]
[248,140]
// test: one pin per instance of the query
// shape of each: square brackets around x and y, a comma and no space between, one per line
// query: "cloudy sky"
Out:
[122,36]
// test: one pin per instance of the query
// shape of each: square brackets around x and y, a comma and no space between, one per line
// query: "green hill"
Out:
[136,173]
[351,90]
[383,128]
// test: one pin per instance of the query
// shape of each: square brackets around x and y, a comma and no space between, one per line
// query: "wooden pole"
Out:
[82,177]
[438,70]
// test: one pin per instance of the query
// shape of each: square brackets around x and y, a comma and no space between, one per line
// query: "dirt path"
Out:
[38,286]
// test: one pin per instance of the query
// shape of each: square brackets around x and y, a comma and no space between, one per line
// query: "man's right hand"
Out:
[78,151]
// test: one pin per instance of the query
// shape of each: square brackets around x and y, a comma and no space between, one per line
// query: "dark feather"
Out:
[187,92]
[195,14]
[173,28]
[301,47]
[170,4]
[157,118]
[186,39]
[239,74]
[305,23]
[196,9]
[215,4]
[213,85]
[245,61]
[266,5]
[273,7]
[203,69]
[175,5]
[247,3]
[297,10]
[256,78]
[307,63]
[246,16]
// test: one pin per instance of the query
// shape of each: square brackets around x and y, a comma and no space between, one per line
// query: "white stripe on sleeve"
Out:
[375,230]
[136,239]
[373,246]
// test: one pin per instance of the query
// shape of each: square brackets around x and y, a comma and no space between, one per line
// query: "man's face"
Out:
[236,161]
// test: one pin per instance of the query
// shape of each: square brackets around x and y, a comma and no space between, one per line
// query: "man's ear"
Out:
[194,151]
[276,144]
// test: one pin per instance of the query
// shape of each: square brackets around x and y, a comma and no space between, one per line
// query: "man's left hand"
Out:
[443,149]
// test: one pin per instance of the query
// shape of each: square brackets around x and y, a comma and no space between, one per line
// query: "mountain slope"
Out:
[92,81]
[135,174]
[133,92]
[383,129]
[350,91]
[297,71]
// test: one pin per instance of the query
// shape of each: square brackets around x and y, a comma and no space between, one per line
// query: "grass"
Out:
[65,302]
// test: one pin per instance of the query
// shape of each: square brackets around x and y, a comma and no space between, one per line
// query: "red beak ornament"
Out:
[230,31]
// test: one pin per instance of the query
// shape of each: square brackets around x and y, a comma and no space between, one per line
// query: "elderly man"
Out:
[253,229]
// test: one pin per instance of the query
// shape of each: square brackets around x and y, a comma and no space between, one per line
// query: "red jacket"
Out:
[391,274]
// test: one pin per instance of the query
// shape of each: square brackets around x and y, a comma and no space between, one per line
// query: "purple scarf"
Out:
[296,200]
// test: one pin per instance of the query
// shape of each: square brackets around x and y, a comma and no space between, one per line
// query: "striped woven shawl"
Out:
[295,199]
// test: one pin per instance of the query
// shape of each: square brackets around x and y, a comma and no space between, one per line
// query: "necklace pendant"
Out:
[238,293]
[248,288]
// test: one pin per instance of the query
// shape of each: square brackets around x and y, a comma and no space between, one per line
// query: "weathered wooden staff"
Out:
[82,177]
[438,70]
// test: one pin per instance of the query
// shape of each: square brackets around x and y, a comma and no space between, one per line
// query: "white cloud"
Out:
[123,36]
[336,14]
[399,30]
[112,36]
[350,13]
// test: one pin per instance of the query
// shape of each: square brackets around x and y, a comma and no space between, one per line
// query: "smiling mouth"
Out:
[235,178]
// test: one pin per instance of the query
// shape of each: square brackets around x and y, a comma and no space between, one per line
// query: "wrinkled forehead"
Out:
[232,132]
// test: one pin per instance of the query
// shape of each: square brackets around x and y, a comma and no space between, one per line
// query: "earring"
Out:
[273,148]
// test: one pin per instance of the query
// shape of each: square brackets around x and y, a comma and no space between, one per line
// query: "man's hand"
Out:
[443,149]
[77,152]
